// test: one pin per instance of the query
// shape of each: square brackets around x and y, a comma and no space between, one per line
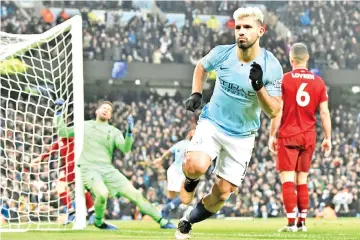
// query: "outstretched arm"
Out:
[165,155]
[125,145]
[45,156]
[62,129]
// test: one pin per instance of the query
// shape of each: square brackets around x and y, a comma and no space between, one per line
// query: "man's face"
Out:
[247,32]
[104,112]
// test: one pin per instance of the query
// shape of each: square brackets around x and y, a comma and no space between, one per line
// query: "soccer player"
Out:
[302,94]
[175,175]
[248,80]
[66,176]
[98,173]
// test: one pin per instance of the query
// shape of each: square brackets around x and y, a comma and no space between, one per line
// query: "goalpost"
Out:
[36,70]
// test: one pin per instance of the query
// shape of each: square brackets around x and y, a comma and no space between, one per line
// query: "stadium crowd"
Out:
[147,38]
[160,122]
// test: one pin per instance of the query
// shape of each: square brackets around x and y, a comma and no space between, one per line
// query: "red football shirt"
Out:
[66,146]
[302,92]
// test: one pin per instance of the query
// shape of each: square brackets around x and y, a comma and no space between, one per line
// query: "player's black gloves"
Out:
[193,102]
[255,76]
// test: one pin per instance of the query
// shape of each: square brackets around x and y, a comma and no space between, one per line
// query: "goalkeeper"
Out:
[97,172]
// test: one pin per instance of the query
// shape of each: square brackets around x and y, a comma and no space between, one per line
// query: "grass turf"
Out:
[344,229]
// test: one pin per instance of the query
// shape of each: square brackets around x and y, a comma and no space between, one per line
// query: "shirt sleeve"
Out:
[122,144]
[211,59]
[173,148]
[53,148]
[273,82]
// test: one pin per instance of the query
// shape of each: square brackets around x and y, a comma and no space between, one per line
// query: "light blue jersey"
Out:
[234,107]
[179,150]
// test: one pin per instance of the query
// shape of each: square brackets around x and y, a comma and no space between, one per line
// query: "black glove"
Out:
[255,76]
[193,102]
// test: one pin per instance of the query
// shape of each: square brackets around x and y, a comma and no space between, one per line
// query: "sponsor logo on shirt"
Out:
[236,89]
[277,83]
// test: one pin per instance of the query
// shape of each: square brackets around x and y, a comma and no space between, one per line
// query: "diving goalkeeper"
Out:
[97,172]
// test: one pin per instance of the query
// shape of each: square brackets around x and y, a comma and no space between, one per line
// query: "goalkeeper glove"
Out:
[256,74]
[130,121]
[193,102]
[58,105]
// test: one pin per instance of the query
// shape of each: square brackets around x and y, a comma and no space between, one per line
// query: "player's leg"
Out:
[90,207]
[174,180]
[230,171]
[202,149]
[288,153]
[94,181]
[172,204]
[61,189]
[289,197]
[65,197]
[119,185]
[302,199]
[302,169]
[213,201]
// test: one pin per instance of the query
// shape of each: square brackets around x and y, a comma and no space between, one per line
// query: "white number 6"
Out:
[301,93]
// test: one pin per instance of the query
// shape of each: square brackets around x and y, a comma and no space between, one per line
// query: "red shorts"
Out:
[67,174]
[295,152]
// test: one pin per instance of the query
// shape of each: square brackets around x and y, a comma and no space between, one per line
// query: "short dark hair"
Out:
[105,102]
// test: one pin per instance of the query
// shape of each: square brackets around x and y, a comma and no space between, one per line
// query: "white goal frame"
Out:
[74,25]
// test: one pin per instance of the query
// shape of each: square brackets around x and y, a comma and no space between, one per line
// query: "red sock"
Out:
[303,202]
[65,199]
[88,200]
[290,201]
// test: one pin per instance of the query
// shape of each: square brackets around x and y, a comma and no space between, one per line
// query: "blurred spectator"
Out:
[332,45]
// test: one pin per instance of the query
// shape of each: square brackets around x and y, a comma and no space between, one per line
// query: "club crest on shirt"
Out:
[108,136]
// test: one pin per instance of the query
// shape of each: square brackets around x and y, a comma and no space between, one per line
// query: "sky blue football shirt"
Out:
[179,150]
[234,107]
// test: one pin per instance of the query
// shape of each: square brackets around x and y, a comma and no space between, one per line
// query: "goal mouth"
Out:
[36,70]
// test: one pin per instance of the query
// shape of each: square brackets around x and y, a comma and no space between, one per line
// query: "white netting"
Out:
[35,71]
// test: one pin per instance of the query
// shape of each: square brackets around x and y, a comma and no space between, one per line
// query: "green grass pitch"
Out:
[343,229]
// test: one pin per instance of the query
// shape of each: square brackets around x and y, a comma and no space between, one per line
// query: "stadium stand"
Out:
[146,38]
[334,181]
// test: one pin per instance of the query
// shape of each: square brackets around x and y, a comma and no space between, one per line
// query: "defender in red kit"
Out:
[65,146]
[303,93]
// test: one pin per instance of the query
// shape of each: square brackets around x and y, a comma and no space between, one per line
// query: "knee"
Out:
[102,195]
[195,164]
[301,178]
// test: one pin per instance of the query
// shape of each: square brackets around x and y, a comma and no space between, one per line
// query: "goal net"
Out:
[35,71]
